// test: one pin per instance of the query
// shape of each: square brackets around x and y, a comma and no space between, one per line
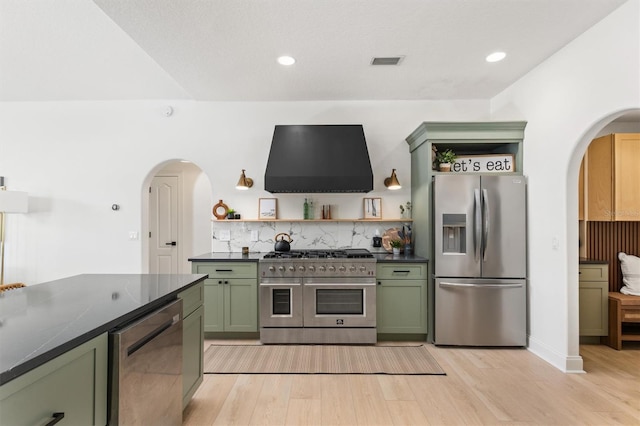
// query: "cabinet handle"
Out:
[226,282]
[400,272]
[220,282]
[379,283]
[224,270]
[55,418]
[172,243]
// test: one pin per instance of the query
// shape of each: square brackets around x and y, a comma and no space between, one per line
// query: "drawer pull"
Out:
[224,270]
[55,418]
[401,272]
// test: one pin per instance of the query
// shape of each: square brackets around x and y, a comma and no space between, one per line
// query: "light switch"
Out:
[133,235]
[224,235]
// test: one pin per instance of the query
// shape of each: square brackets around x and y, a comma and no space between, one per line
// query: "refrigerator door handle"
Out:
[485,227]
[477,224]
[446,284]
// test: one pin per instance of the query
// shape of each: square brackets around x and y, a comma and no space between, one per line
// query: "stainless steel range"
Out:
[318,296]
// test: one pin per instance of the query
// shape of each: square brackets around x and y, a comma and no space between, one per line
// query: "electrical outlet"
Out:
[133,235]
[224,235]
[254,235]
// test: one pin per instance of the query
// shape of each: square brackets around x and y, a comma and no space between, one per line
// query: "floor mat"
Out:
[319,359]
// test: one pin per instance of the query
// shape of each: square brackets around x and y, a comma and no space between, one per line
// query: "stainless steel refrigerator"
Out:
[480,260]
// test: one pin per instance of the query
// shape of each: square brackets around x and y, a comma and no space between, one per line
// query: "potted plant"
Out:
[395,246]
[445,159]
[231,214]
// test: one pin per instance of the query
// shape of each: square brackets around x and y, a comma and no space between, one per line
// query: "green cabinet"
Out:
[230,296]
[401,297]
[74,383]
[593,283]
[192,340]
[465,139]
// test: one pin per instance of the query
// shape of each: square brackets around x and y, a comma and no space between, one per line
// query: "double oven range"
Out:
[318,296]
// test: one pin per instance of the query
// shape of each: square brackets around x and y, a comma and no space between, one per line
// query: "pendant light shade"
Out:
[392,181]
[244,182]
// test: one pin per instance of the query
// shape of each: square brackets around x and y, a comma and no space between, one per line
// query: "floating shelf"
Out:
[315,220]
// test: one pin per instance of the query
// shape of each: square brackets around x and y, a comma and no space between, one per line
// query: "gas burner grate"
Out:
[319,254]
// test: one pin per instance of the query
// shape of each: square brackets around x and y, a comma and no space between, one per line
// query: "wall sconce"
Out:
[10,202]
[244,183]
[392,181]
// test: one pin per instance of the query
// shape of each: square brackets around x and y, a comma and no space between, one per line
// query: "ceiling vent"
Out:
[389,60]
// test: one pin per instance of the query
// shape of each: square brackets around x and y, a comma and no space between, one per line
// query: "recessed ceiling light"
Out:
[496,56]
[286,60]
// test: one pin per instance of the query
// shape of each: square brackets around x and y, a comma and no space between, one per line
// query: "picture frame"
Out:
[268,208]
[372,208]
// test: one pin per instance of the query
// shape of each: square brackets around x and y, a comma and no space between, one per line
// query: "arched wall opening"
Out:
[193,214]
[622,121]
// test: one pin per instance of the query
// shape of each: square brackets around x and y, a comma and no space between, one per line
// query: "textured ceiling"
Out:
[222,50]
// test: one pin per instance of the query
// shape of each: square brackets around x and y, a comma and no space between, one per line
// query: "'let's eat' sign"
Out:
[494,163]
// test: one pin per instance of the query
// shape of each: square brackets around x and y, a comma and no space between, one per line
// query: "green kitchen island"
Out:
[54,346]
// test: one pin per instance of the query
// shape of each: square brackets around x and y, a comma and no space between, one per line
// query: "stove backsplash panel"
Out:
[312,235]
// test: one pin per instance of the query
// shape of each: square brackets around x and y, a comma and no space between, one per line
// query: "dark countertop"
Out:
[41,322]
[382,257]
[253,256]
[586,261]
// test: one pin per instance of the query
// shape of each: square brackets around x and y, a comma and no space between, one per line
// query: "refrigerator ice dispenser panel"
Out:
[454,231]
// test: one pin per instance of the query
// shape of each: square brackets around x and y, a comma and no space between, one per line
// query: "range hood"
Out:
[318,159]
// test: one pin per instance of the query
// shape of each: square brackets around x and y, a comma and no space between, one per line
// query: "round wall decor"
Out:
[220,210]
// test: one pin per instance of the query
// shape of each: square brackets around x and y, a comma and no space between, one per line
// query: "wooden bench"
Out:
[623,308]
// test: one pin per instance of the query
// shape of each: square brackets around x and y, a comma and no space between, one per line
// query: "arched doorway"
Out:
[176,220]
[626,121]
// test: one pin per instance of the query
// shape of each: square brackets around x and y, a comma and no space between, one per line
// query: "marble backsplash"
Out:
[305,235]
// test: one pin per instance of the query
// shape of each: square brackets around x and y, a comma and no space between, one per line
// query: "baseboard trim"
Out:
[564,363]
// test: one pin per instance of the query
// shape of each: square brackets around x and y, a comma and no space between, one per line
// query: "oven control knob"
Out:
[312,268]
[352,268]
[363,268]
[343,268]
[272,268]
[321,268]
[291,269]
[332,268]
[281,268]
[301,268]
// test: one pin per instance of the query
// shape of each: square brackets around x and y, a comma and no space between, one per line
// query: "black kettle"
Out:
[282,244]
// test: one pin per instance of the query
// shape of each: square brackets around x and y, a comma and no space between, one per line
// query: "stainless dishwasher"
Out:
[145,383]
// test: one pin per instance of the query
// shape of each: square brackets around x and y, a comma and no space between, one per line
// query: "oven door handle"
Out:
[339,285]
[280,284]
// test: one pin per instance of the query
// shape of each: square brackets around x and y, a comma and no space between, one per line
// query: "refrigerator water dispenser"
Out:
[454,231]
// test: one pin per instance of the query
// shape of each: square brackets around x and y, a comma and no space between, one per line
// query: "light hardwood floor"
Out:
[482,387]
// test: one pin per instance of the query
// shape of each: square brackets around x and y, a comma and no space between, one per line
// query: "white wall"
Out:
[566,101]
[76,159]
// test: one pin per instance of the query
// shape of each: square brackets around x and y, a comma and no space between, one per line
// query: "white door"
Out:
[163,225]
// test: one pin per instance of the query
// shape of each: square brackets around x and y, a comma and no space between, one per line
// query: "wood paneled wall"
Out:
[606,239]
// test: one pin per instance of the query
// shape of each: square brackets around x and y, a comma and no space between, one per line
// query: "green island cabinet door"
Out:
[401,297]
[192,341]
[230,296]
[74,384]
